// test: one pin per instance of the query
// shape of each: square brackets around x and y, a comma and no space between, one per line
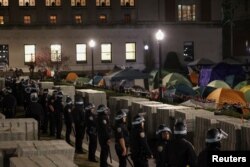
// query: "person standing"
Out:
[51,110]
[140,151]
[121,137]
[44,102]
[9,103]
[78,114]
[35,110]
[58,107]
[104,133]
[91,130]
[68,120]
[163,134]
[213,144]
[180,152]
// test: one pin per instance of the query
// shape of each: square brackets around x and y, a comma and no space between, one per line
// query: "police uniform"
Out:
[9,104]
[35,110]
[44,102]
[104,134]
[91,129]
[78,114]
[58,106]
[213,144]
[52,116]
[68,120]
[160,154]
[140,151]
[180,152]
[121,132]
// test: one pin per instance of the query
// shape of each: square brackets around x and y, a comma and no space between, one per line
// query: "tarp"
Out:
[198,104]
[175,79]
[129,74]
[218,84]
[219,72]
[201,61]
[223,96]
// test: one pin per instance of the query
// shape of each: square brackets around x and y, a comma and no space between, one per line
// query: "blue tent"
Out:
[222,71]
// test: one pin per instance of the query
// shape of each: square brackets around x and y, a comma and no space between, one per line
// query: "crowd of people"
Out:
[51,112]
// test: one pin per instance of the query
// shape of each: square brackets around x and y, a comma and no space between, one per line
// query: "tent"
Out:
[97,79]
[246,91]
[72,76]
[219,72]
[175,79]
[201,62]
[153,78]
[241,85]
[80,81]
[223,96]
[218,84]
[204,91]
[179,93]
[129,74]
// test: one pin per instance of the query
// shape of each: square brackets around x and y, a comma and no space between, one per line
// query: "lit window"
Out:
[127,18]
[27,2]
[106,52]
[4,2]
[127,3]
[81,53]
[102,2]
[78,19]
[78,2]
[26,20]
[130,51]
[55,53]
[1,20]
[53,2]
[52,19]
[103,19]
[186,12]
[29,53]
[4,53]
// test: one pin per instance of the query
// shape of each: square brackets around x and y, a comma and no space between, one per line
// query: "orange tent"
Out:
[229,96]
[71,77]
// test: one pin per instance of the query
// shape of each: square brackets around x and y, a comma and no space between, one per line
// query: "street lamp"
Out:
[146,47]
[92,45]
[159,37]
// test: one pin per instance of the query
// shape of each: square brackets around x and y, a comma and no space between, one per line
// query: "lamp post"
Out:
[92,45]
[159,37]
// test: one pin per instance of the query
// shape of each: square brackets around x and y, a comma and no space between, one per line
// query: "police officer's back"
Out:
[58,107]
[78,114]
[104,133]
[163,136]
[121,137]
[140,151]
[180,152]
[91,129]
[68,120]
[9,103]
[213,143]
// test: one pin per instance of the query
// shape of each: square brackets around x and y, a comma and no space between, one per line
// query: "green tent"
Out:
[241,85]
[246,92]
[153,78]
[219,84]
[175,79]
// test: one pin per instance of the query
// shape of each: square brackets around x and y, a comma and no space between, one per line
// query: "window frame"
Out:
[103,21]
[191,15]
[127,3]
[53,3]
[32,55]
[74,3]
[77,20]
[27,3]
[127,52]
[4,3]
[51,20]
[99,3]
[106,52]
[81,61]
[56,54]
[2,20]
[26,19]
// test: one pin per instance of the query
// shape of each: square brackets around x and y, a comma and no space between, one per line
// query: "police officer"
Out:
[68,120]
[51,110]
[180,152]
[9,103]
[91,130]
[58,108]
[35,110]
[140,151]
[121,137]
[213,143]
[78,114]
[163,135]
[104,133]
[44,102]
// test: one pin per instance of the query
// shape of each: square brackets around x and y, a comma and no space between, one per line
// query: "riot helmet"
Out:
[79,101]
[138,119]
[89,106]
[180,128]
[102,109]
[215,135]
[33,97]
[120,114]
[68,100]
[163,128]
